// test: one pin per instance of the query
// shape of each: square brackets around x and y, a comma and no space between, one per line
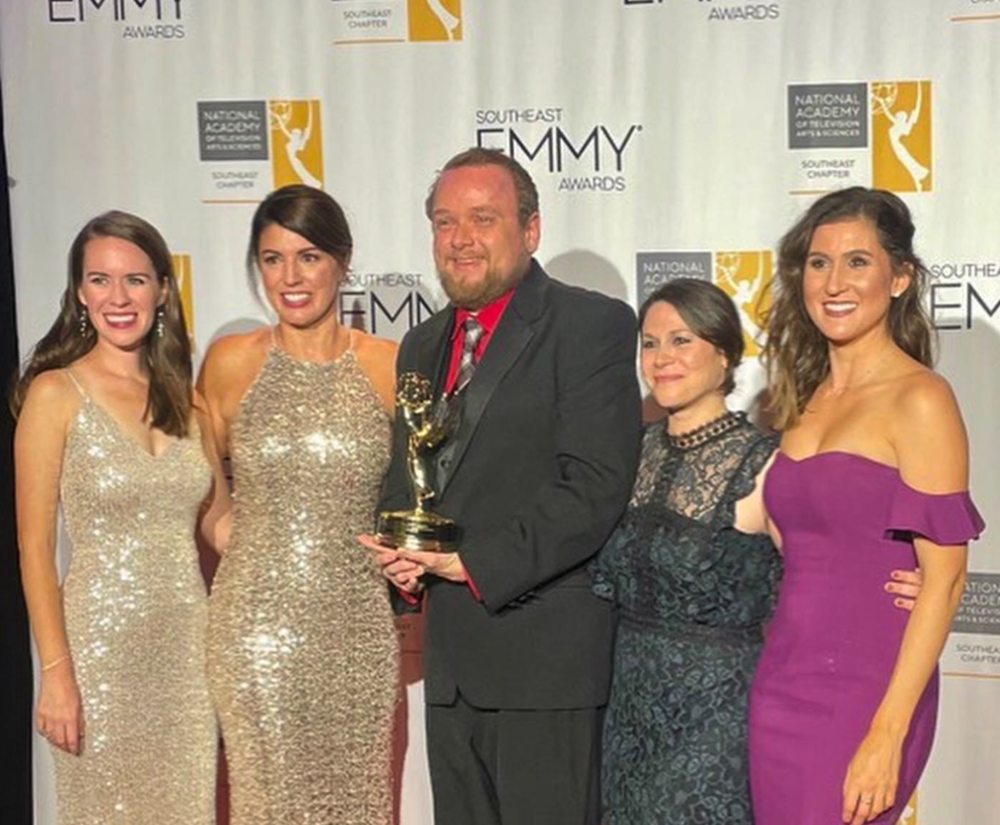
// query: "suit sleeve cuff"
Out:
[472,587]
[409,598]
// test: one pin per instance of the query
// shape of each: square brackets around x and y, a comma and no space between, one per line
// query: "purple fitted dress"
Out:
[846,522]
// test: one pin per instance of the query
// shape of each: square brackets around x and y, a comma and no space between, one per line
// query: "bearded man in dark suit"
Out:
[517,649]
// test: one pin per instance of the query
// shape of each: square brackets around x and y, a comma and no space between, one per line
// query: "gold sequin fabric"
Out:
[302,648]
[136,616]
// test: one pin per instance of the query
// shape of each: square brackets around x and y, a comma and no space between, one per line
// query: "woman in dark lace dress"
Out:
[694,575]
[693,590]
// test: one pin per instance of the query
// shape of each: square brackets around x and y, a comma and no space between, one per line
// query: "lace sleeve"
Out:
[759,449]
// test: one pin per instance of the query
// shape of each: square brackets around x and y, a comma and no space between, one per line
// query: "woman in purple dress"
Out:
[872,471]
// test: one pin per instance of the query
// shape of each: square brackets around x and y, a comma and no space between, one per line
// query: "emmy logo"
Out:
[295,127]
[902,136]
[429,424]
[435,20]
[743,276]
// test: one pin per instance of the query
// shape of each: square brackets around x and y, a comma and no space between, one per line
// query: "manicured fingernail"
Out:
[900,602]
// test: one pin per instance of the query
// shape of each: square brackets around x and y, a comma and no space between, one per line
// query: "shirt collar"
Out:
[488,316]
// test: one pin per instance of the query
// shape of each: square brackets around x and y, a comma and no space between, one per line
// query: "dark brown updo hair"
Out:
[711,315]
[308,212]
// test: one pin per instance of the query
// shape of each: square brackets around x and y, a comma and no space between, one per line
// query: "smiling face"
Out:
[849,281]
[682,371]
[480,246]
[301,280]
[120,290]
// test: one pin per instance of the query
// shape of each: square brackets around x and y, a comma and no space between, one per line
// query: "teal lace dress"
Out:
[693,594]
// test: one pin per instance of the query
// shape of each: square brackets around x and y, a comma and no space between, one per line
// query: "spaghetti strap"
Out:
[77,384]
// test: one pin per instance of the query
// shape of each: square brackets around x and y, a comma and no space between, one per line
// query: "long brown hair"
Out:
[166,358]
[796,353]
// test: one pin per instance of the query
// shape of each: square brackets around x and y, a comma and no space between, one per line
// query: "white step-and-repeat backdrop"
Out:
[666,137]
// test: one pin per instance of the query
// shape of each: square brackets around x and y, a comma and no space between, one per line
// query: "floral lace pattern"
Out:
[693,593]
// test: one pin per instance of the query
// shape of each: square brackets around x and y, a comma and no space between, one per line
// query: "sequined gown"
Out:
[135,611]
[692,594]
[302,647]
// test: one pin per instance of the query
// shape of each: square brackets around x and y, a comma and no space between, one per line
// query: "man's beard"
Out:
[474,297]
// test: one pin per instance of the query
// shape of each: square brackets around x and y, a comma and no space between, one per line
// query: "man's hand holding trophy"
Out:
[410,543]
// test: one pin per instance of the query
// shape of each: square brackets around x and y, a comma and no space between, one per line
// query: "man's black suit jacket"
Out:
[536,474]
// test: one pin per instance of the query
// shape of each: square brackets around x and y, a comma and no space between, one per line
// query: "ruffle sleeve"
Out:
[945,518]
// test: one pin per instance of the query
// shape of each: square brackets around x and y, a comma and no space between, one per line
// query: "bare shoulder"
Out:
[232,361]
[377,352]
[377,357]
[929,436]
[925,396]
[51,402]
[53,390]
[235,351]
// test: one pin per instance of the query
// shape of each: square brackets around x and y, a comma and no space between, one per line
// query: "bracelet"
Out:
[54,662]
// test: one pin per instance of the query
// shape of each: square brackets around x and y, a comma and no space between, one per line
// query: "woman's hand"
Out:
[60,711]
[872,776]
[906,584]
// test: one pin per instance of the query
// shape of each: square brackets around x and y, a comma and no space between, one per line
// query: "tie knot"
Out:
[473,332]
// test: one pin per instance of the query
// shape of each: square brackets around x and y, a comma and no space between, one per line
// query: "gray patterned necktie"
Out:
[467,366]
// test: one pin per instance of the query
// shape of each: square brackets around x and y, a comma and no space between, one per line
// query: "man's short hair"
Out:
[527,194]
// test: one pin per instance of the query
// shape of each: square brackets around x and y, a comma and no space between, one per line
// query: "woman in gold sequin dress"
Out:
[107,427]
[302,648]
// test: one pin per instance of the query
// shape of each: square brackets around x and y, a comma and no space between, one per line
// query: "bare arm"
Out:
[211,388]
[39,442]
[932,449]
[216,521]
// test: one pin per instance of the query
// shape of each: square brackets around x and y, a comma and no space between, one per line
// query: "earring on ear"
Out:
[159,322]
[84,321]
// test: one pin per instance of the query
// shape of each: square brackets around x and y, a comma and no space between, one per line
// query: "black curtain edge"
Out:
[16,686]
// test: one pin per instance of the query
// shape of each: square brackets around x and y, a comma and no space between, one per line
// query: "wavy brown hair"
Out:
[166,358]
[796,353]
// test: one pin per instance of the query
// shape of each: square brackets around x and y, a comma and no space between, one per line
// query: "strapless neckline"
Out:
[872,462]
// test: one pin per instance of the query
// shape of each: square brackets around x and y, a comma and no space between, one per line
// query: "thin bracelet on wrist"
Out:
[54,663]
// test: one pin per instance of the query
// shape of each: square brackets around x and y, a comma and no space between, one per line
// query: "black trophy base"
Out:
[417,530]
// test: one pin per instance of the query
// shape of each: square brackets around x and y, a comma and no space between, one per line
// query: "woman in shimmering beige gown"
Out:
[107,428]
[302,647]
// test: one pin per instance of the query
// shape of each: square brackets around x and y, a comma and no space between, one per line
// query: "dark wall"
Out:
[15,655]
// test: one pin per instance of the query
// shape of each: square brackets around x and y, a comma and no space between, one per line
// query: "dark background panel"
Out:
[15,654]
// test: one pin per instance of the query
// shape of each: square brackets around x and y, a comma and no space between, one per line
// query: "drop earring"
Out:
[159,322]
[84,321]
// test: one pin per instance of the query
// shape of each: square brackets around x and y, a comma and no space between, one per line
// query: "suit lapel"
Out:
[431,351]
[512,335]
